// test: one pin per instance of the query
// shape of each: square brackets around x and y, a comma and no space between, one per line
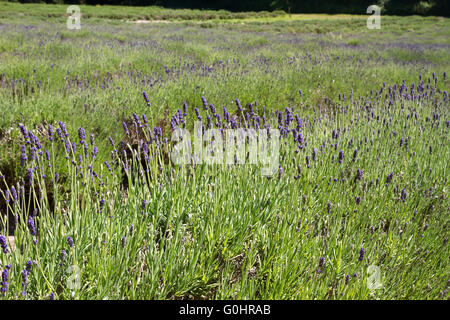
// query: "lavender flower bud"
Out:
[102,205]
[355,153]
[389,178]
[81,135]
[125,128]
[5,285]
[23,156]
[7,198]
[347,279]
[70,241]
[63,128]
[205,103]
[14,194]
[63,257]
[147,100]
[24,277]
[404,195]
[341,156]
[359,174]
[361,254]
[31,226]
[112,142]
[3,244]
[28,266]
[321,262]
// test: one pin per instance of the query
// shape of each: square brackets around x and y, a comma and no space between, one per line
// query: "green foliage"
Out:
[218,232]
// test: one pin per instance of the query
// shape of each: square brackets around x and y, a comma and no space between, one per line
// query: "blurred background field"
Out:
[77,75]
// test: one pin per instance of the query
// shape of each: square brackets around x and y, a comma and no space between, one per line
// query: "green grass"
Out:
[39,11]
[219,232]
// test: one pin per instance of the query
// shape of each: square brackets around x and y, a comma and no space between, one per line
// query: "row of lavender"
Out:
[348,142]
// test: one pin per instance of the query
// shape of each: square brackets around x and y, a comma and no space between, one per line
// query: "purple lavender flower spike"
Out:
[125,128]
[31,226]
[50,132]
[5,285]
[23,157]
[14,194]
[361,254]
[341,156]
[146,98]
[70,241]
[347,279]
[3,244]
[321,262]
[238,103]
[63,257]
[389,178]
[63,128]
[137,120]
[205,103]
[28,266]
[359,174]
[102,205]
[404,195]
[24,281]
[185,109]
[81,135]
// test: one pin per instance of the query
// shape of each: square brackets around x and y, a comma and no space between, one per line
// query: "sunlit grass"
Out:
[225,232]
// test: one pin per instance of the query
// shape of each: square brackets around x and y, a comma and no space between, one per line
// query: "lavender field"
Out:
[92,207]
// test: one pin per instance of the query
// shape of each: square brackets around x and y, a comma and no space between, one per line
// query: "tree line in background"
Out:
[394,7]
